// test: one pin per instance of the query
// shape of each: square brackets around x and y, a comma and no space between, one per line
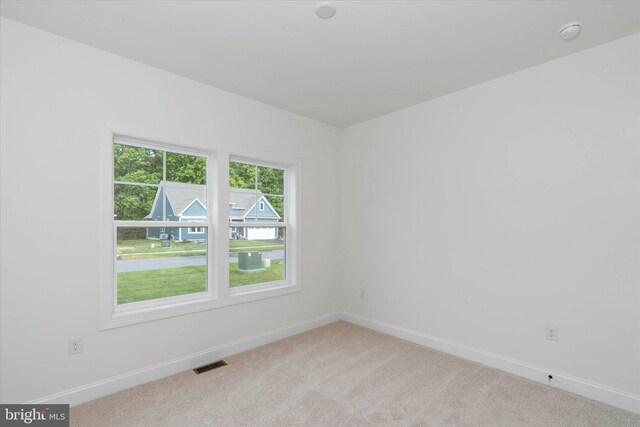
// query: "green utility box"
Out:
[249,261]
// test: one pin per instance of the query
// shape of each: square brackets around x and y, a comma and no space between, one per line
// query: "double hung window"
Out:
[188,229]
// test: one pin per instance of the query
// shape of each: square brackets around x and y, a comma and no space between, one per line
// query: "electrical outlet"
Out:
[75,345]
[552,333]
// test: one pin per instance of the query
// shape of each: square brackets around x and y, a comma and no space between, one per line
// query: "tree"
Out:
[135,165]
[186,168]
[242,175]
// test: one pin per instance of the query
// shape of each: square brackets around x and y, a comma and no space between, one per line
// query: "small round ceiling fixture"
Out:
[325,10]
[570,31]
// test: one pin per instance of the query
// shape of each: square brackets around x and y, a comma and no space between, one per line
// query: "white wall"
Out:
[484,215]
[55,93]
[488,213]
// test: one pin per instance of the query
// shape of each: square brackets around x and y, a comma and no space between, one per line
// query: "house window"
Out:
[258,248]
[163,203]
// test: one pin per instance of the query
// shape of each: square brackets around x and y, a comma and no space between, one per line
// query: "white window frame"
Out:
[291,214]
[261,205]
[218,293]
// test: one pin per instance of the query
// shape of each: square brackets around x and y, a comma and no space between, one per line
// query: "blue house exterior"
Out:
[186,203]
[247,205]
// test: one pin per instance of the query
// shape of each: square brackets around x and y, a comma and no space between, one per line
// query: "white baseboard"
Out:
[78,395]
[600,392]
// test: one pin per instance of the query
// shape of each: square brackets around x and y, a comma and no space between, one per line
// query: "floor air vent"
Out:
[210,367]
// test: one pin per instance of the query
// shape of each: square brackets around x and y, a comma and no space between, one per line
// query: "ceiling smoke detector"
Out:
[325,10]
[570,31]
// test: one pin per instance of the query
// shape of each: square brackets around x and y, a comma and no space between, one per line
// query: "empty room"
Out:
[319,213]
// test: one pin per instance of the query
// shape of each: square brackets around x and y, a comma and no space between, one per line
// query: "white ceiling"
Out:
[372,58]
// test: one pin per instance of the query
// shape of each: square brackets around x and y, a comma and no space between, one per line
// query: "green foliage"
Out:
[132,202]
[187,169]
[242,175]
[140,165]
[132,233]
[271,180]
[135,164]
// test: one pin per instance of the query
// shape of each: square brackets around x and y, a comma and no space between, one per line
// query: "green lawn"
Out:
[141,249]
[271,274]
[138,249]
[260,245]
[151,284]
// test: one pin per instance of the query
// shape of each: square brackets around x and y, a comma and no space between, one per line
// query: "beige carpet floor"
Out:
[345,375]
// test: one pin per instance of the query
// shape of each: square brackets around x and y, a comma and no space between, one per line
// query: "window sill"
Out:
[178,306]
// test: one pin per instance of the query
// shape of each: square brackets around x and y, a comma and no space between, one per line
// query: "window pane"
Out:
[155,262]
[136,164]
[256,255]
[256,193]
[132,202]
[186,169]
[270,180]
[183,194]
